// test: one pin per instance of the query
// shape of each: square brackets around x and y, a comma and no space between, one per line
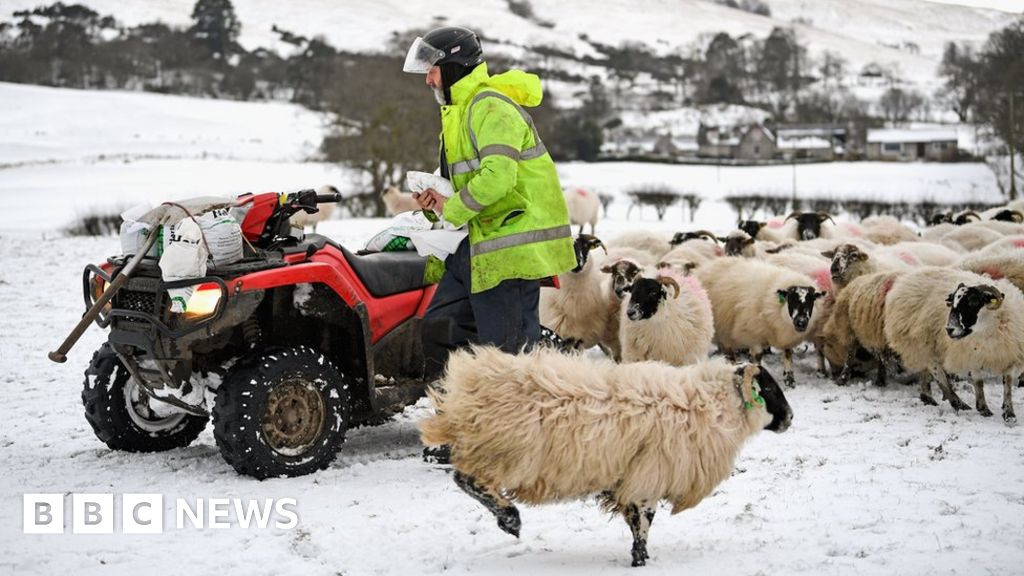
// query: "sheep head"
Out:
[752,227]
[736,242]
[623,272]
[965,217]
[681,237]
[646,296]
[582,245]
[808,225]
[757,387]
[799,304]
[844,258]
[967,305]
[1015,216]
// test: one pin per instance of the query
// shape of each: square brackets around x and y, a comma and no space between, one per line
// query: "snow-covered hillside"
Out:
[867,481]
[862,31]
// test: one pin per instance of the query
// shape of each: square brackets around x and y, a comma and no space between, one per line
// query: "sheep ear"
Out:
[689,267]
[862,255]
[830,254]
[820,294]
[782,295]
[607,269]
[996,299]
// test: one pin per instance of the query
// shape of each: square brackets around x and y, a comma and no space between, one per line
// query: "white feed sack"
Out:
[184,257]
[223,236]
[135,233]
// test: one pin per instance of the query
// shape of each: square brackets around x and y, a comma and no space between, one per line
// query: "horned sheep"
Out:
[578,310]
[546,427]
[676,329]
[943,321]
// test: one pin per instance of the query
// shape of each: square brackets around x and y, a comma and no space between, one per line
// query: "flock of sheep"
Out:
[660,418]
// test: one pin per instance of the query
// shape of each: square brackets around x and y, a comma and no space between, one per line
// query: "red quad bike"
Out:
[287,348]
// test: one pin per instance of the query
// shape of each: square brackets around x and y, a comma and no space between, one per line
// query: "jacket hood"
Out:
[522,87]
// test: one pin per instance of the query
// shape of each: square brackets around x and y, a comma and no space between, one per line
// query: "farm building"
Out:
[753,142]
[812,141]
[938,145]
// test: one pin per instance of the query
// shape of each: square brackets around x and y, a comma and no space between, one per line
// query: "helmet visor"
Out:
[421,57]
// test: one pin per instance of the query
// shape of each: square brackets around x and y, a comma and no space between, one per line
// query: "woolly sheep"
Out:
[756,305]
[654,243]
[547,427]
[578,310]
[971,237]
[1003,214]
[701,241]
[301,219]
[849,262]
[857,320]
[584,206]
[397,202]
[622,273]
[982,330]
[887,230]
[676,329]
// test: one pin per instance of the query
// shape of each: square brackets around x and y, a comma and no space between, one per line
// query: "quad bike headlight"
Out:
[98,286]
[203,302]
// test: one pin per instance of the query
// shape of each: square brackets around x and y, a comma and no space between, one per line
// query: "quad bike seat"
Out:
[382,273]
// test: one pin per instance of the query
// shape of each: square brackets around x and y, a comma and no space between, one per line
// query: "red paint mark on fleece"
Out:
[887,286]
[823,278]
[992,272]
[688,284]
[582,192]
[775,223]
[1019,243]
[908,258]
[853,229]
[719,251]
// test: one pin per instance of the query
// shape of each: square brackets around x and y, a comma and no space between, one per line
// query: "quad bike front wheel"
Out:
[120,414]
[281,412]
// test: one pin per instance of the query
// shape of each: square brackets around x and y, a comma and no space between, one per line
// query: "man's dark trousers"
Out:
[505,316]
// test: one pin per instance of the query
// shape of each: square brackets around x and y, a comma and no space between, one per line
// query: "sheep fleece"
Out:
[545,426]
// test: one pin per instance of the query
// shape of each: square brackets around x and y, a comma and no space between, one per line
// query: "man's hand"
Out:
[430,199]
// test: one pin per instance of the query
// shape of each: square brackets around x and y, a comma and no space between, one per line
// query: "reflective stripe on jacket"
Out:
[508,191]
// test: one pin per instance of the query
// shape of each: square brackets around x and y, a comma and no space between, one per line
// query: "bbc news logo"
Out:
[144,514]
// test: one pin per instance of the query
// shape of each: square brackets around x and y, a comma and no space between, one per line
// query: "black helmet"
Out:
[446,45]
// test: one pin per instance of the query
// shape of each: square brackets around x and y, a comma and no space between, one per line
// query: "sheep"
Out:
[756,305]
[777,229]
[970,237]
[681,259]
[301,219]
[739,243]
[578,310]
[850,261]
[1008,244]
[810,225]
[654,243]
[887,230]
[857,320]
[701,241]
[930,341]
[998,264]
[1004,214]
[1002,227]
[584,206]
[921,253]
[654,326]
[622,273]
[546,427]
[398,202]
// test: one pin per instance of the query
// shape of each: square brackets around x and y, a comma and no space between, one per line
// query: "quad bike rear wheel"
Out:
[121,416]
[281,412]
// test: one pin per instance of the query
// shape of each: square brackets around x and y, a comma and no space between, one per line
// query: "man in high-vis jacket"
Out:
[507,194]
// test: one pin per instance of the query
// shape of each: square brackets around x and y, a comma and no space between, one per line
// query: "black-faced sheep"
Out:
[930,340]
[546,427]
[675,328]
[577,311]
[757,305]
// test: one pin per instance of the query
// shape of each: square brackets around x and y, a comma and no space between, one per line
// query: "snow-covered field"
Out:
[867,481]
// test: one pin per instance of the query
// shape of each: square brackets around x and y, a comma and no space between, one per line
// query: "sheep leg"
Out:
[925,381]
[1020,381]
[948,392]
[506,512]
[980,404]
[844,375]
[1008,416]
[787,368]
[888,365]
[639,518]
[819,347]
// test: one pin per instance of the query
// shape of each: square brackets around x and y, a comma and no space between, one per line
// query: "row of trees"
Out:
[987,87]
